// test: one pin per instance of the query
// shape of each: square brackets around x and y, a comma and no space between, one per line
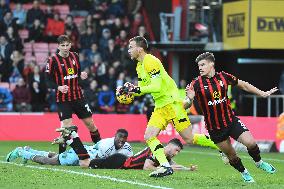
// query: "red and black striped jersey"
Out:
[65,71]
[211,95]
[137,161]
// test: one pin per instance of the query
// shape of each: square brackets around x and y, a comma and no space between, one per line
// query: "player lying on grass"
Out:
[104,148]
[142,160]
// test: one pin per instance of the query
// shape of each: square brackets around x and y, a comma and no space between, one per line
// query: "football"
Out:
[123,97]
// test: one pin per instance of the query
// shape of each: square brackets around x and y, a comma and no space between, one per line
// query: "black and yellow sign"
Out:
[235,25]
[267,24]
[253,24]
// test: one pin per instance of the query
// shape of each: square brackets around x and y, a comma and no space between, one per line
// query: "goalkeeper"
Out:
[153,79]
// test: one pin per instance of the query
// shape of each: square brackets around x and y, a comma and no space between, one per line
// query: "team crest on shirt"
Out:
[205,87]
[221,83]
[216,94]
[70,71]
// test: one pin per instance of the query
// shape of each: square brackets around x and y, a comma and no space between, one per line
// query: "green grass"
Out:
[212,173]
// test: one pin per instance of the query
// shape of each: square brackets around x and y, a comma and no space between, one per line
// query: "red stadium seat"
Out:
[24,34]
[29,57]
[52,48]
[27,6]
[41,57]
[62,9]
[28,48]
[40,47]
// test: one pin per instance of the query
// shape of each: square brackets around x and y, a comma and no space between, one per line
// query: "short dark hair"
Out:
[63,38]
[176,142]
[122,131]
[205,56]
[140,42]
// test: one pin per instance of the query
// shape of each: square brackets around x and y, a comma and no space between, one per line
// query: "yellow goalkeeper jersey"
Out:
[153,79]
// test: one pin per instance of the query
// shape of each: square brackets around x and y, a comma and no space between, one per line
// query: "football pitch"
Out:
[211,173]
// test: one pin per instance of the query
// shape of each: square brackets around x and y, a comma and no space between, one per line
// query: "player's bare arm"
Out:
[252,89]
[84,75]
[149,165]
[63,88]
[189,96]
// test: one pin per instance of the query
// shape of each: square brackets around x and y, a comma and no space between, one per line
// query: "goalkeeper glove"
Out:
[135,90]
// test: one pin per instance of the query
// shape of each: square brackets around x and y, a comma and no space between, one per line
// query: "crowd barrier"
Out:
[41,127]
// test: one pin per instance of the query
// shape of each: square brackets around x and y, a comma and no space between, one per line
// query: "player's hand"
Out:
[268,93]
[134,89]
[193,167]
[63,88]
[84,75]
[190,91]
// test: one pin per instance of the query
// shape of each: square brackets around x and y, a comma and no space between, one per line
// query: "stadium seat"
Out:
[28,48]
[52,47]
[62,9]
[24,33]
[29,57]
[41,57]
[27,6]
[40,47]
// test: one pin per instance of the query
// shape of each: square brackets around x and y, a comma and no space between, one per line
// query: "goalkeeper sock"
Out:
[203,140]
[158,151]
[95,135]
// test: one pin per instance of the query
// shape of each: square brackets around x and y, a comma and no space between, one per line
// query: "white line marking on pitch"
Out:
[87,174]
[246,157]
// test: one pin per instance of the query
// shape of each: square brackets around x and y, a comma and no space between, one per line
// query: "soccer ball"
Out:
[124,97]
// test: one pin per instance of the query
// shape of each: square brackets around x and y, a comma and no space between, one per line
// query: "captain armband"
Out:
[154,73]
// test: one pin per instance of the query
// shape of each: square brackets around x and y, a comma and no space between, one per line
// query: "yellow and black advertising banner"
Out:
[236,25]
[267,24]
[255,24]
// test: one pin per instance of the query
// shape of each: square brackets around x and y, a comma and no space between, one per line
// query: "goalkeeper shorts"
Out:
[173,113]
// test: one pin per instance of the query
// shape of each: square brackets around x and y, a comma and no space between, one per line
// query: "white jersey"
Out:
[105,148]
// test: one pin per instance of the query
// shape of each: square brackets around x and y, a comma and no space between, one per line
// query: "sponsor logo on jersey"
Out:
[70,76]
[215,102]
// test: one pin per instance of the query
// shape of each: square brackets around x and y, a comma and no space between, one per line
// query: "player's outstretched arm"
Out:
[189,96]
[252,89]
[177,167]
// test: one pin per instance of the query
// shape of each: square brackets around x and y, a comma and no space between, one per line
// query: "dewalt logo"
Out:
[270,24]
[236,25]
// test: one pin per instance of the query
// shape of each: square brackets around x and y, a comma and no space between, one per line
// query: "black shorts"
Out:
[234,130]
[80,107]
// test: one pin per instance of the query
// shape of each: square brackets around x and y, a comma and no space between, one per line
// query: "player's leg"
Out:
[46,160]
[36,152]
[183,126]
[84,112]
[157,123]
[72,139]
[114,161]
[65,116]
[253,150]
[234,160]
[94,132]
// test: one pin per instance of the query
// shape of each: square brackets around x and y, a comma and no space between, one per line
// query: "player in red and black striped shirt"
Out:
[142,160]
[210,91]
[63,72]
